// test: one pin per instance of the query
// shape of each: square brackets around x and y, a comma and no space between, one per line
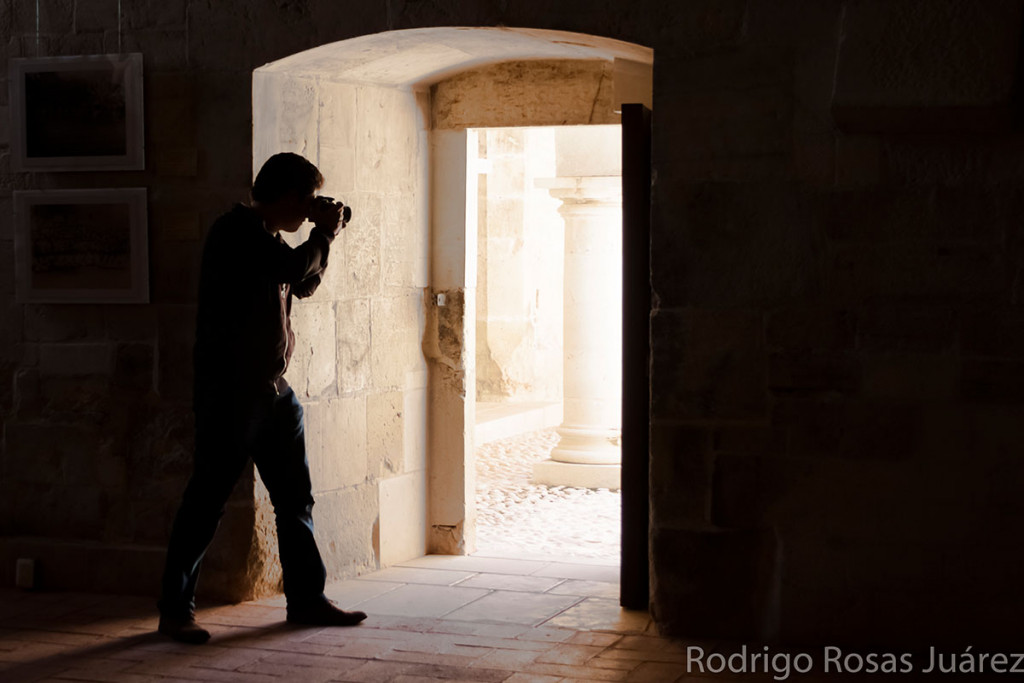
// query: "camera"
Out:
[322,203]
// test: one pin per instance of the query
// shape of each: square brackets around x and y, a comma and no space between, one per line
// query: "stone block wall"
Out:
[519,269]
[834,266]
[358,367]
[96,418]
[836,385]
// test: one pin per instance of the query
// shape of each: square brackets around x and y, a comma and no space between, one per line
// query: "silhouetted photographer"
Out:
[244,408]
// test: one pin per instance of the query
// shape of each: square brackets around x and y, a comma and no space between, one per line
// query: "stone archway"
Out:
[387,375]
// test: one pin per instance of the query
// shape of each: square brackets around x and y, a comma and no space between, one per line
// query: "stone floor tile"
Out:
[438,643]
[292,673]
[251,615]
[213,656]
[515,608]
[547,634]
[280,638]
[195,673]
[587,589]
[643,642]
[119,677]
[466,677]
[55,637]
[574,655]
[472,563]
[375,672]
[602,662]
[348,594]
[227,676]
[476,629]
[398,655]
[594,638]
[484,643]
[421,601]
[400,622]
[342,645]
[434,577]
[86,666]
[665,656]
[580,572]
[597,614]
[29,651]
[657,672]
[584,673]
[528,584]
[386,672]
[167,665]
[274,600]
[384,635]
[510,660]
[40,671]
[332,662]
[533,678]
[425,679]
[115,628]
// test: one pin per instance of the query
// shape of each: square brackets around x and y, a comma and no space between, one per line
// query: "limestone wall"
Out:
[521,251]
[519,273]
[358,367]
[837,369]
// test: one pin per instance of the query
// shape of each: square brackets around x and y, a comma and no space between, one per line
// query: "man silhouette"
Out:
[243,406]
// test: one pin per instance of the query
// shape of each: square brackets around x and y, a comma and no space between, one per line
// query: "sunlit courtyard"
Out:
[524,520]
[548,342]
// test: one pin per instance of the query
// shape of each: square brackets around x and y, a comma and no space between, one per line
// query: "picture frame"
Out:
[80,113]
[81,246]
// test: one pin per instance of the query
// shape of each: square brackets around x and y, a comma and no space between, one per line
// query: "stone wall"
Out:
[836,424]
[358,368]
[837,363]
[519,269]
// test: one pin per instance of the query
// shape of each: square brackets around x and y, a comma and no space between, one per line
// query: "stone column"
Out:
[588,454]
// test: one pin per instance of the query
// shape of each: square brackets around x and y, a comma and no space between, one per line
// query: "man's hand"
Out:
[329,215]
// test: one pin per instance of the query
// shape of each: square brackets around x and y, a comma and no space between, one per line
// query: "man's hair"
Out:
[284,173]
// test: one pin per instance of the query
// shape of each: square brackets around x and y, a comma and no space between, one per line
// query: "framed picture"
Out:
[77,113]
[79,246]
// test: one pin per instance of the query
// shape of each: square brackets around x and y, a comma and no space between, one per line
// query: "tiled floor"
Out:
[431,619]
[434,618]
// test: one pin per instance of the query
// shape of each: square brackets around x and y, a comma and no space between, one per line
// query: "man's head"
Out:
[284,189]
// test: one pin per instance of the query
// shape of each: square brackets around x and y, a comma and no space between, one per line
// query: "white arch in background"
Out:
[360,109]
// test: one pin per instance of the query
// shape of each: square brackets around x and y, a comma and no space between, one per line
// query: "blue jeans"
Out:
[270,432]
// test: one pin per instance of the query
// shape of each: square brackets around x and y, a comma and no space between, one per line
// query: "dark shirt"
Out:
[244,338]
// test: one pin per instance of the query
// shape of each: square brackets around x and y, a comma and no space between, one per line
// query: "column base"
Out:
[554,473]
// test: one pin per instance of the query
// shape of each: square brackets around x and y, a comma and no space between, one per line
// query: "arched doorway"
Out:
[389,393]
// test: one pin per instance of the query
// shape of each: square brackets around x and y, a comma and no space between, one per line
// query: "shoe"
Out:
[323,613]
[184,629]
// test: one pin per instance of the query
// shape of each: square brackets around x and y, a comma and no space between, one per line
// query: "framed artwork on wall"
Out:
[81,246]
[77,113]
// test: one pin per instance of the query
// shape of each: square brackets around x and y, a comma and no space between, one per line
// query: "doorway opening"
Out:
[390,394]
[548,342]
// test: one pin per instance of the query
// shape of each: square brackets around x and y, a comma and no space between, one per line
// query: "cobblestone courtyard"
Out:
[518,519]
